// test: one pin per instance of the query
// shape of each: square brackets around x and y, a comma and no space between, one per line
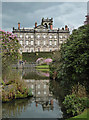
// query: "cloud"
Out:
[72,14]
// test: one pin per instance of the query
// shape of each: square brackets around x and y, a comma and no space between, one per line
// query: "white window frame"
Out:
[32,86]
[65,36]
[55,36]
[38,92]
[20,36]
[44,36]
[44,92]
[27,42]
[44,42]
[61,37]
[55,42]
[44,86]
[38,42]
[26,36]
[50,42]
[31,36]
[50,36]
[21,42]
[38,36]
[32,42]
[38,86]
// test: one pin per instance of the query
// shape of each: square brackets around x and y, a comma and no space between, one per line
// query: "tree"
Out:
[75,57]
[10,48]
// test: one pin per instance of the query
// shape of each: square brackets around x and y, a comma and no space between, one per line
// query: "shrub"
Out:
[75,105]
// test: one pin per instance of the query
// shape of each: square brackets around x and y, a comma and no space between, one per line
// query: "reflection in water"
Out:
[42,105]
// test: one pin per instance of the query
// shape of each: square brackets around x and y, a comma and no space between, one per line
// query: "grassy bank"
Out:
[83,115]
[13,87]
[42,67]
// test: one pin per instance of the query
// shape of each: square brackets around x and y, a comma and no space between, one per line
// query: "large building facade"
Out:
[41,38]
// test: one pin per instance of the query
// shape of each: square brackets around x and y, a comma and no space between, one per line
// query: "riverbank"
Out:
[13,87]
[84,114]
[44,68]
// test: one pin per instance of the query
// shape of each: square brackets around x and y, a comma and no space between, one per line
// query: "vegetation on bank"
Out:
[84,115]
[32,57]
[12,86]
[70,68]
[42,67]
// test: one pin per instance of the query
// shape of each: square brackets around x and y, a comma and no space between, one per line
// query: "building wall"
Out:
[40,39]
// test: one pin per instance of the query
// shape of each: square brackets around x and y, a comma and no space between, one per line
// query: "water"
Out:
[46,100]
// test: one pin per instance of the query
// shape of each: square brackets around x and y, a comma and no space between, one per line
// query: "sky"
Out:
[27,13]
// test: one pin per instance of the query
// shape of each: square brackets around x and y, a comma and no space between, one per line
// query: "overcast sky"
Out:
[27,13]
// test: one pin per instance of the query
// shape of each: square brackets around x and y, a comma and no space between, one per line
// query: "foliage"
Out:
[74,104]
[32,57]
[83,116]
[13,87]
[74,61]
[10,48]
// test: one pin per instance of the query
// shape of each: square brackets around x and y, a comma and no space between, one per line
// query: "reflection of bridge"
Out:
[22,66]
[41,93]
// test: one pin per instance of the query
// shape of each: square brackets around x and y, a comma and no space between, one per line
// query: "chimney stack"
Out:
[66,27]
[35,24]
[19,25]
[51,26]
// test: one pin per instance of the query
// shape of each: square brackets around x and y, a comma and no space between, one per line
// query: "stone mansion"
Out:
[41,38]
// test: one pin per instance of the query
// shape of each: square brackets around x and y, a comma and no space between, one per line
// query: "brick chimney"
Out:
[66,27]
[19,25]
[51,26]
[35,24]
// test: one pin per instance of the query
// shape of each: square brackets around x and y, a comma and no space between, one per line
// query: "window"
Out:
[32,86]
[50,36]
[38,49]
[61,41]
[50,50]
[31,36]
[60,37]
[44,43]
[38,42]
[55,36]
[50,42]
[65,36]
[26,36]
[55,42]
[32,93]
[44,86]
[38,86]
[31,42]
[44,92]
[44,36]
[20,36]
[21,42]
[27,50]
[38,36]
[31,50]
[38,92]
[26,42]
